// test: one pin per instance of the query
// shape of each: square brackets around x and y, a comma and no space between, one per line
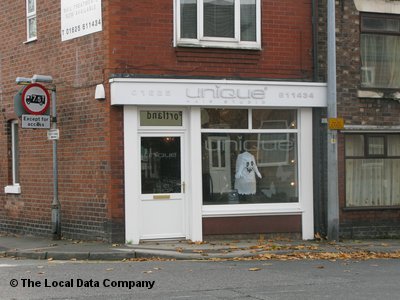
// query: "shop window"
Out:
[372,170]
[252,159]
[31,20]
[218,23]
[380,51]
[14,187]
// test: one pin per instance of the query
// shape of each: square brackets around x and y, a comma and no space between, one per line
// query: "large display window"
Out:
[249,156]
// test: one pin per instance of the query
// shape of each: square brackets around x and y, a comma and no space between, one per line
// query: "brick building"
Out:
[368,82]
[205,126]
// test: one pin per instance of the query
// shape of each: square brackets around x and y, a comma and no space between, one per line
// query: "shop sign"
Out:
[217,93]
[160,118]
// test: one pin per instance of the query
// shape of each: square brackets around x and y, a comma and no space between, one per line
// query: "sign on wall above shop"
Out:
[193,92]
[79,18]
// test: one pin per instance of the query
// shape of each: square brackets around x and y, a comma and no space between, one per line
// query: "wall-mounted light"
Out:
[100,93]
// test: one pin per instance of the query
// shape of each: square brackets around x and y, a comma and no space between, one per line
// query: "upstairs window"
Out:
[31,20]
[219,23]
[380,51]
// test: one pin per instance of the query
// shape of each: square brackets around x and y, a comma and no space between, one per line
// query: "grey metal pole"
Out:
[55,205]
[333,199]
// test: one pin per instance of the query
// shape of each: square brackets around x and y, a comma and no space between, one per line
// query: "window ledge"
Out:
[30,41]
[221,45]
[361,208]
[373,94]
[12,189]
[369,94]
[251,210]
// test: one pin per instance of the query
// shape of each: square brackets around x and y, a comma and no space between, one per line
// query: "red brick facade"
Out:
[137,39]
[364,112]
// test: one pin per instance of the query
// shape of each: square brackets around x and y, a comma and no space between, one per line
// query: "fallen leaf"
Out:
[110,269]
[254,269]
[198,251]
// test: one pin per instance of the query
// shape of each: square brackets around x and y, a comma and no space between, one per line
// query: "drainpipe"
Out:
[315,39]
[333,199]
[318,132]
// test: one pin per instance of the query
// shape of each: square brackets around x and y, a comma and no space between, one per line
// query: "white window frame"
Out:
[30,15]
[15,188]
[216,42]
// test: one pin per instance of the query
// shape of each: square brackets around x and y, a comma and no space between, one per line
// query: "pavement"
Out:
[30,247]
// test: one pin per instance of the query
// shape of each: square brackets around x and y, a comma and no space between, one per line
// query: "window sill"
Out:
[379,94]
[12,189]
[230,210]
[30,41]
[363,208]
[218,45]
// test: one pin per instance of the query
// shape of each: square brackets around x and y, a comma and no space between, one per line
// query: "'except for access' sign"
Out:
[35,121]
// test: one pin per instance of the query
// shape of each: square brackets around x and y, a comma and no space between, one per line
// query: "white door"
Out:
[162,186]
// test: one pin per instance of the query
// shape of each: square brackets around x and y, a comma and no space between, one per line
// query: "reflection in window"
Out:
[161,165]
[249,168]
[274,119]
[224,118]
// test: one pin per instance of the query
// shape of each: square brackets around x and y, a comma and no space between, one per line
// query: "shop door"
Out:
[162,199]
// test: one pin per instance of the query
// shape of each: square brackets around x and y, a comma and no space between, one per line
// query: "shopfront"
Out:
[201,155]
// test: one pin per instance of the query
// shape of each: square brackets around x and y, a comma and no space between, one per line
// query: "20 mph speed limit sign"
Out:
[35,99]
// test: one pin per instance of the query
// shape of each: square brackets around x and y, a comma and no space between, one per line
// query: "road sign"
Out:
[35,99]
[53,134]
[35,121]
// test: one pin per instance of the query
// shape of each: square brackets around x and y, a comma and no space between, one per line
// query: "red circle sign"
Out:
[35,99]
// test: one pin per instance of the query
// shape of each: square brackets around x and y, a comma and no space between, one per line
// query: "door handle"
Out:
[183,187]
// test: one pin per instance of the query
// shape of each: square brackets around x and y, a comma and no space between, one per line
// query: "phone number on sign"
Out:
[81,27]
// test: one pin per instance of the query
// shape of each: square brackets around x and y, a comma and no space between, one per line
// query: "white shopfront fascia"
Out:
[190,96]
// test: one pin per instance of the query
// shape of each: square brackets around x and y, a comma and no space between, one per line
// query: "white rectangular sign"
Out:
[35,121]
[53,134]
[79,18]
[139,91]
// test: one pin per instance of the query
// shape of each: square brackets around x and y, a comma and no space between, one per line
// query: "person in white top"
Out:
[245,176]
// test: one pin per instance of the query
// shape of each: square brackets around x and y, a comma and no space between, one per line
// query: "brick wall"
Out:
[84,149]
[141,36]
[359,111]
